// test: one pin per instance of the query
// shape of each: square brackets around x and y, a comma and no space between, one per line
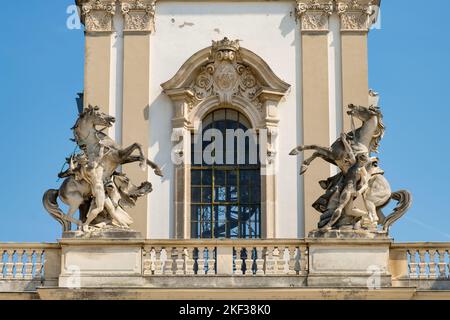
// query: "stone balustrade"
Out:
[424,265]
[234,263]
[27,265]
[225,257]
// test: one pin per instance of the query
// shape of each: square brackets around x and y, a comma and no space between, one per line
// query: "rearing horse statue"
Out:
[369,135]
[376,192]
[78,192]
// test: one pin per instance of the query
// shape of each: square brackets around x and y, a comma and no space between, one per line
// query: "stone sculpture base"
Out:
[348,234]
[104,233]
[341,262]
[91,263]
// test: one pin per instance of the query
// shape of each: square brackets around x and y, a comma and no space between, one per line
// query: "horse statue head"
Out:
[87,121]
[372,120]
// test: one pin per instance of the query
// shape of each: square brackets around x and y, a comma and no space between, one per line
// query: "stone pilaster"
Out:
[97,17]
[138,25]
[356,16]
[314,19]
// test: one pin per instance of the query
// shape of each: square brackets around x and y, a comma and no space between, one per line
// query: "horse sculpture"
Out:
[337,204]
[78,190]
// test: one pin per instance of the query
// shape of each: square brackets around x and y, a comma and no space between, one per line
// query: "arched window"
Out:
[226,192]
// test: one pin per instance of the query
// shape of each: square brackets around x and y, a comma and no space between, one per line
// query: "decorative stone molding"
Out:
[356,15]
[223,75]
[139,15]
[314,14]
[97,15]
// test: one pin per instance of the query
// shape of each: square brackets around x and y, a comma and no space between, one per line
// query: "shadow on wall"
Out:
[160,131]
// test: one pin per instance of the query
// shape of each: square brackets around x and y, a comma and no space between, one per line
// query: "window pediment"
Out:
[227,74]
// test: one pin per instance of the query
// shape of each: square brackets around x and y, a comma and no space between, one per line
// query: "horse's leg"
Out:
[126,153]
[299,149]
[151,164]
[317,154]
[372,209]
[307,162]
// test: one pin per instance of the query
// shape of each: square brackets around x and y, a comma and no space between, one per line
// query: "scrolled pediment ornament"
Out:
[224,76]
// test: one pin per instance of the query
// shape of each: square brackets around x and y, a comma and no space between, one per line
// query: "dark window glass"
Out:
[226,198]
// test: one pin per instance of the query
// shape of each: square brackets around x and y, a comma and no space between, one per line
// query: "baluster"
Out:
[158,261]
[147,262]
[249,262]
[9,264]
[39,264]
[432,264]
[167,267]
[412,264]
[269,260]
[173,260]
[422,264]
[277,261]
[28,264]
[441,263]
[238,261]
[211,261]
[292,251]
[19,264]
[179,262]
[304,260]
[189,260]
[259,261]
[201,261]
[2,264]
[282,261]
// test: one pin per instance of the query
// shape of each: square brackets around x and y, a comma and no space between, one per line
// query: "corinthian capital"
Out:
[97,15]
[314,14]
[139,15]
[356,15]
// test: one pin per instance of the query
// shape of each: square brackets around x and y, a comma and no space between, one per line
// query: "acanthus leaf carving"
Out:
[139,15]
[355,15]
[314,15]
[97,15]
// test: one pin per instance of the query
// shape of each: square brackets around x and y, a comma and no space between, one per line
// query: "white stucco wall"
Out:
[268,29]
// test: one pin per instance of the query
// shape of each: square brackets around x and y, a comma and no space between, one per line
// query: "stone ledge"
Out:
[238,294]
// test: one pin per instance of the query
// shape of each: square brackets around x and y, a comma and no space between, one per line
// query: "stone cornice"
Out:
[139,15]
[355,15]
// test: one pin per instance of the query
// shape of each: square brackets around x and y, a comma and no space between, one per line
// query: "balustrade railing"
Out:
[422,261]
[19,261]
[232,257]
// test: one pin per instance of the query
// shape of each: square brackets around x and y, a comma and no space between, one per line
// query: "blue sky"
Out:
[41,65]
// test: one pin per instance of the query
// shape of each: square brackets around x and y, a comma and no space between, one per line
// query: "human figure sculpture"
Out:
[92,185]
[359,177]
